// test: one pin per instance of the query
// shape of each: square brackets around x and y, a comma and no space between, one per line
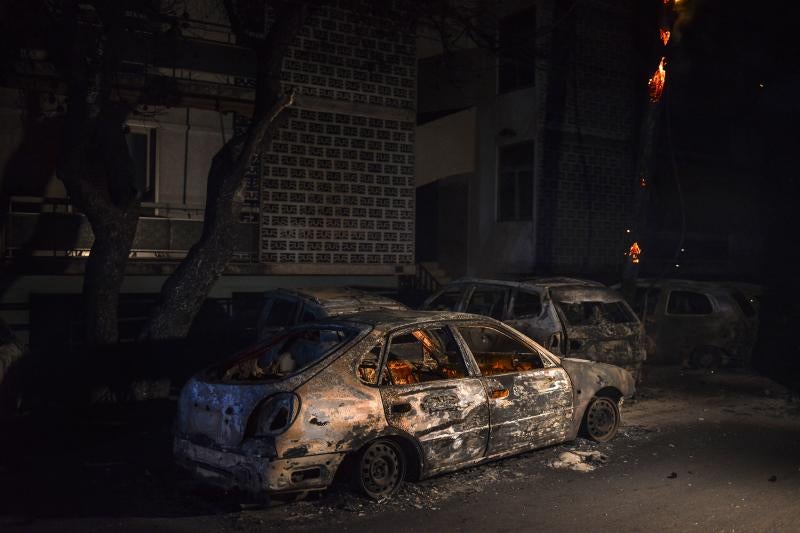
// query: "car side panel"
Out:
[449,419]
[528,409]
[338,413]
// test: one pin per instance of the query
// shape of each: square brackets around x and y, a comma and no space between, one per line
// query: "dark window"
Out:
[594,313]
[688,303]
[743,303]
[517,51]
[488,301]
[281,313]
[648,296]
[448,300]
[498,353]
[307,316]
[424,355]
[142,149]
[526,304]
[515,182]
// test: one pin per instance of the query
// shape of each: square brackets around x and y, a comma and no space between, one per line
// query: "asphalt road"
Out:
[698,451]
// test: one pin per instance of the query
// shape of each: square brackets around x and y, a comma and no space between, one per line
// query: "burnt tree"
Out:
[185,290]
[94,162]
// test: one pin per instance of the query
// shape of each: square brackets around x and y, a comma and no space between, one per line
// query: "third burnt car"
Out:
[384,396]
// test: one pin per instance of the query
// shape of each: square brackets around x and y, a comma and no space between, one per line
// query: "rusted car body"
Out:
[288,307]
[705,324]
[385,396]
[571,317]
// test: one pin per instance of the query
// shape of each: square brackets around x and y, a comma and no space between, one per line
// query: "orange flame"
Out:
[664,36]
[655,84]
[634,252]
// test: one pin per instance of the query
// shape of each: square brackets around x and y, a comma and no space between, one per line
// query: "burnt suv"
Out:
[571,317]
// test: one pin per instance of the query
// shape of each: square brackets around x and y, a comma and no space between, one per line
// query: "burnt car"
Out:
[287,307]
[383,397]
[570,317]
[704,324]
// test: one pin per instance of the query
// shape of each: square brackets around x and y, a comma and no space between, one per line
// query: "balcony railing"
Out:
[51,227]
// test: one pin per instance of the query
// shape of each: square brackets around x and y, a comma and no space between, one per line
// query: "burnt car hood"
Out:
[217,413]
[590,376]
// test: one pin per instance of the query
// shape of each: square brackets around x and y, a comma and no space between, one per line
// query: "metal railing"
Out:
[52,227]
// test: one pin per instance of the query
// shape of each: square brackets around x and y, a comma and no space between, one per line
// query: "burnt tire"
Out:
[380,469]
[706,357]
[601,419]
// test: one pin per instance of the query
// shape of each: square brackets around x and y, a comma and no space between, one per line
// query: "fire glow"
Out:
[655,84]
[664,35]
[634,253]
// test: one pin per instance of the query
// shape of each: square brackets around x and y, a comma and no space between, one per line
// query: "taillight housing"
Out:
[274,415]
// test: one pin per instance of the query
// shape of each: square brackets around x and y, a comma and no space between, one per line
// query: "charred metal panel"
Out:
[528,409]
[338,413]
[450,418]
[589,377]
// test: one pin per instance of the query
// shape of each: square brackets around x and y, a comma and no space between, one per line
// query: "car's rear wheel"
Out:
[380,469]
[601,421]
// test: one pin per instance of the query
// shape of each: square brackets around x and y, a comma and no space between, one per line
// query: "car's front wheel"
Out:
[380,469]
[601,421]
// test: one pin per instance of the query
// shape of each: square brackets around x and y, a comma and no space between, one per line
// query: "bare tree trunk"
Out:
[98,173]
[185,290]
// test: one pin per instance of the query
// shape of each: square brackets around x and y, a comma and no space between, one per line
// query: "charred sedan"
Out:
[572,317]
[386,396]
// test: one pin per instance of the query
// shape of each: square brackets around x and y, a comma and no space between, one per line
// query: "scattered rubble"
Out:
[580,461]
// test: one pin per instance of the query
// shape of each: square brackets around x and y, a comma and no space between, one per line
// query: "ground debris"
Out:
[578,460]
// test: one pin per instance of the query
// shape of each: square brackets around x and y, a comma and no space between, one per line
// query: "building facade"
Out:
[548,130]
[330,201]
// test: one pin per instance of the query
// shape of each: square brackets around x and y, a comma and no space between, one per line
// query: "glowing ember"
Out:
[634,253]
[655,84]
[664,36]
[642,182]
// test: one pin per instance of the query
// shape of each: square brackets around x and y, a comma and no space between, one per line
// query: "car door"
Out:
[429,392]
[530,398]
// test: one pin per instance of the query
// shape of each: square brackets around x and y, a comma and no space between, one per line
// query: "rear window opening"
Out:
[285,355]
[595,313]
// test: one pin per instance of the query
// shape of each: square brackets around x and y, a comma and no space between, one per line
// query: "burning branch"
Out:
[634,253]
[655,84]
[664,35]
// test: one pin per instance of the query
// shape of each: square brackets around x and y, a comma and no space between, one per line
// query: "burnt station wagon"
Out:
[570,317]
[386,396]
[705,324]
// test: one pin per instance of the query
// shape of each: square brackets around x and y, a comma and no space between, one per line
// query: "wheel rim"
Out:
[380,470]
[601,420]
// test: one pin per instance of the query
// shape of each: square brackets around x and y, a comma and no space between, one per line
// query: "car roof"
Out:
[390,318]
[541,283]
[675,283]
[338,301]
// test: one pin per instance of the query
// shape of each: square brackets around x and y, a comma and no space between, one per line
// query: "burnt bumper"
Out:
[254,474]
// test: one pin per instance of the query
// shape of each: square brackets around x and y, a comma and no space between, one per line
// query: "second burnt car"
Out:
[569,316]
[386,396]
[288,307]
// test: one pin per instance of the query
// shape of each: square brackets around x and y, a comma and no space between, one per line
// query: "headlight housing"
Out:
[274,415]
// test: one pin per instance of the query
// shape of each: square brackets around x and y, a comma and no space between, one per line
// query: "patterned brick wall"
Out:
[337,183]
[588,160]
